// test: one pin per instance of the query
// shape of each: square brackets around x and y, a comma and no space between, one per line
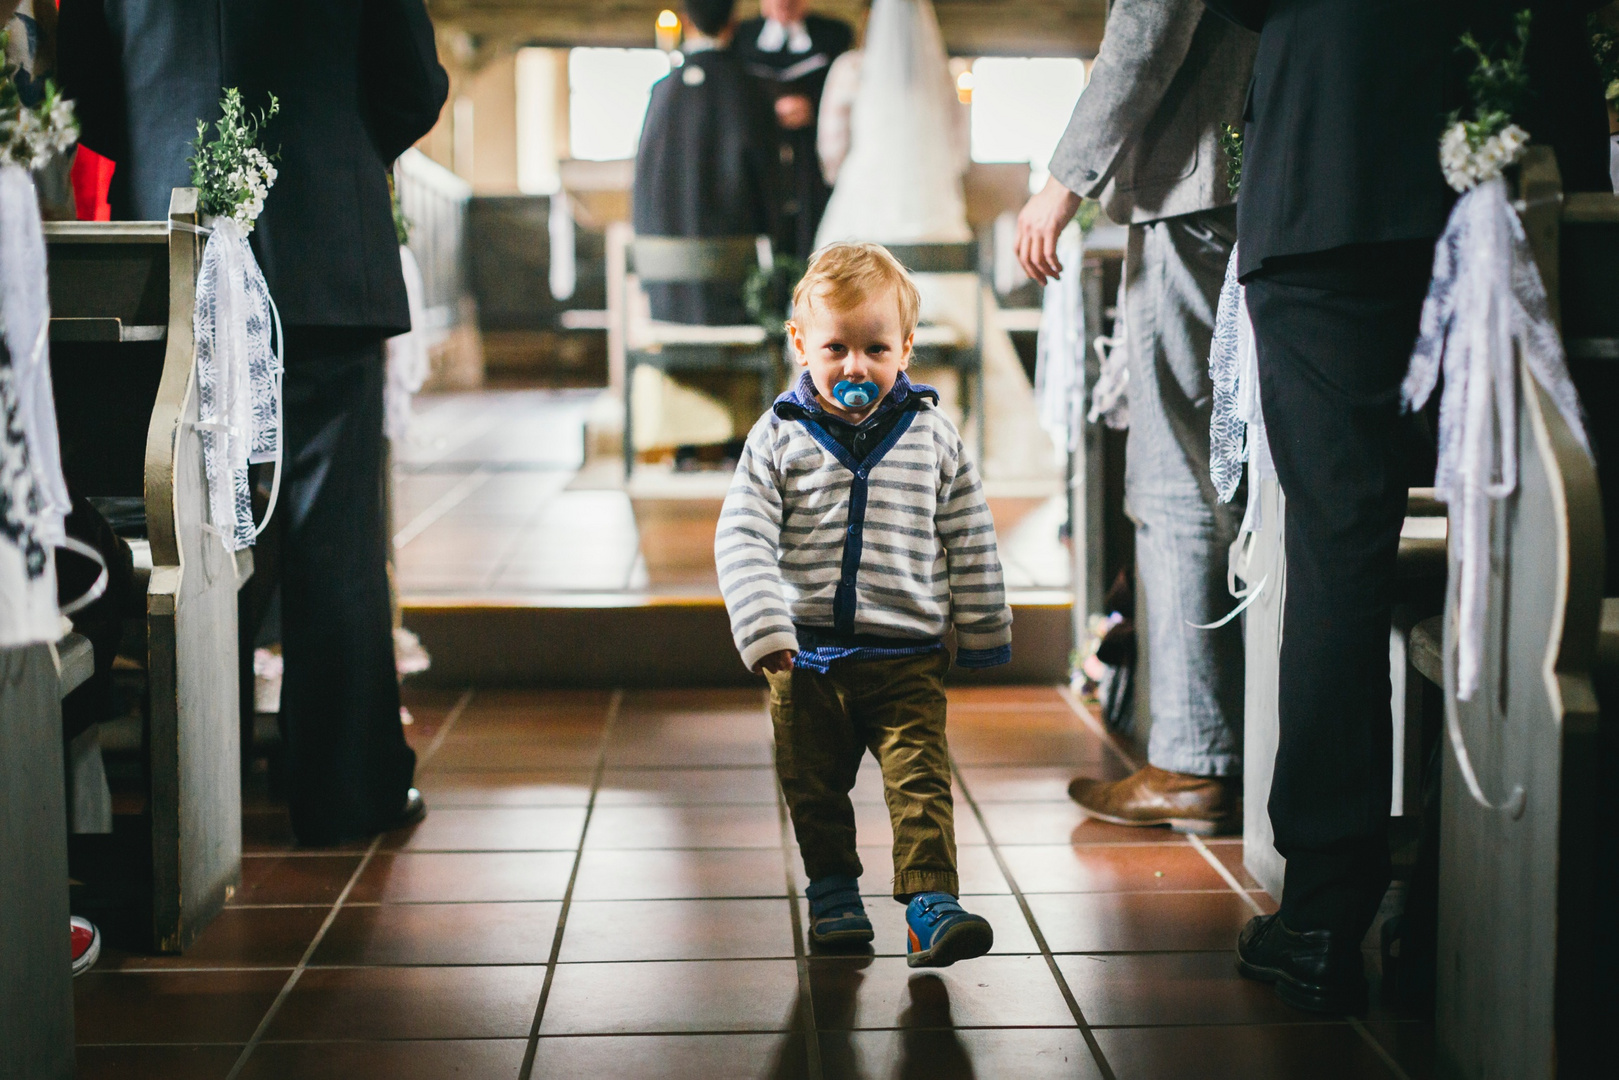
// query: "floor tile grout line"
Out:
[614,705]
[1225,873]
[1038,934]
[806,995]
[450,720]
[431,516]
[337,905]
[1378,1048]
[303,962]
[1220,868]
[1098,728]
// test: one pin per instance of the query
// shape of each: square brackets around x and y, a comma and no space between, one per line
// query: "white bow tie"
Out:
[793,35]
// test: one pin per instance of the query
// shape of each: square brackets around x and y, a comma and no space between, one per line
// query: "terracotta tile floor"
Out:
[491,498]
[606,887]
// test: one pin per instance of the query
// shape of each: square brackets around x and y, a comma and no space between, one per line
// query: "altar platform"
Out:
[519,563]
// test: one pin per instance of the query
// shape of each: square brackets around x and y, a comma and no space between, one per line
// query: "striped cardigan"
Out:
[899,545]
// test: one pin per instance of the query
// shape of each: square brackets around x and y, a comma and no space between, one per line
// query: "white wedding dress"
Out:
[901,183]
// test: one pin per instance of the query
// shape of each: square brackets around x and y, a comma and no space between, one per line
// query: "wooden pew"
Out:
[1519,984]
[123,366]
[36,980]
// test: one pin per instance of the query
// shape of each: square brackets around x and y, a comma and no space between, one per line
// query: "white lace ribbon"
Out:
[1485,306]
[239,370]
[1236,421]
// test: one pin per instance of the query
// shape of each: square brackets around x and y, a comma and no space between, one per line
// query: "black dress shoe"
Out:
[1311,971]
[414,810]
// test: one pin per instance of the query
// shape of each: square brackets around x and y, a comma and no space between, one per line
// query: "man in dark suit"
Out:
[1342,199]
[706,164]
[789,52]
[358,81]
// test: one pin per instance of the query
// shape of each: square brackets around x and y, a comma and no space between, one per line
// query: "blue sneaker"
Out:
[942,932]
[837,915]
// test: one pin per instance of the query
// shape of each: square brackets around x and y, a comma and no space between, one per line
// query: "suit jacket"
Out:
[1349,98]
[801,190]
[1145,135]
[358,81]
[706,166]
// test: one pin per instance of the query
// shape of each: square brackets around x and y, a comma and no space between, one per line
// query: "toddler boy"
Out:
[854,534]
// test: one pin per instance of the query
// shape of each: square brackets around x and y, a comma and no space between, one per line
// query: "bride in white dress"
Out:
[901,183]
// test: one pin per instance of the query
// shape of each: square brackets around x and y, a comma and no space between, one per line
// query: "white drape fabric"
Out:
[33,495]
[408,362]
[1485,307]
[1059,365]
[238,381]
[901,181]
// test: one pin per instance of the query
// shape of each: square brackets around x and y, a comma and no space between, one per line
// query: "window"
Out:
[1021,108]
[607,99]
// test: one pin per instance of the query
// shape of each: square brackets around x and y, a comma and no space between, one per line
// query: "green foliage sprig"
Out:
[768,294]
[402,222]
[1089,211]
[231,172]
[1605,47]
[32,136]
[1231,143]
[1474,150]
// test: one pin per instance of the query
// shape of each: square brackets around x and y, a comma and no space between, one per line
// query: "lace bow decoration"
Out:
[1485,306]
[1236,427]
[239,369]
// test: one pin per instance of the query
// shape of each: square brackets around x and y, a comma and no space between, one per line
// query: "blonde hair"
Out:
[842,275]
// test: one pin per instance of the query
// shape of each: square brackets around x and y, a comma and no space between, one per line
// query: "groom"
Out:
[1145,140]
[358,81]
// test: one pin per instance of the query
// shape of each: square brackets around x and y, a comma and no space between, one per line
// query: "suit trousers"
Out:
[1174,269]
[1335,336]
[348,766]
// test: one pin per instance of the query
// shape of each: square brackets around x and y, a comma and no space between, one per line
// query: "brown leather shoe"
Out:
[1204,805]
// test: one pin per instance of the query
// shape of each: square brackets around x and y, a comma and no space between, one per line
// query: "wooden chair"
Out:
[943,343]
[1519,984]
[123,366]
[36,982]
[724,261]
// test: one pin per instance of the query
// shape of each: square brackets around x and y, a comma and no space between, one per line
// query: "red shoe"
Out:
[86,945]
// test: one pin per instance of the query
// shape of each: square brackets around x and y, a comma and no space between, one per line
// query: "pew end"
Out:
[123,366]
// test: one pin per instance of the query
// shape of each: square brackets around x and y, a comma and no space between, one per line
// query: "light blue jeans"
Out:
[1173,270]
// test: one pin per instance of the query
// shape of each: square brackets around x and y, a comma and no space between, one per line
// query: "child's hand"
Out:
[776,663]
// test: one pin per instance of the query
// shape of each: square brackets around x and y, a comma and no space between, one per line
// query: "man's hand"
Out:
[776,663]
[794,112]
[1043,217]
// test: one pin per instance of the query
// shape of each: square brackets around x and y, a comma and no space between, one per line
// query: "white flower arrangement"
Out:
[1472,152]
[1469,157]
[31,137]
[232,173]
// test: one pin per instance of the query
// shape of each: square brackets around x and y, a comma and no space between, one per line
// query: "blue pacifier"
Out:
[855,395]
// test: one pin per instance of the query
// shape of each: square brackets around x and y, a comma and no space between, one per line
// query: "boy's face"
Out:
[862,344]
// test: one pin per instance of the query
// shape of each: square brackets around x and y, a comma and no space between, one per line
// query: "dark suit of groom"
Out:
[1342,199]
[358,82]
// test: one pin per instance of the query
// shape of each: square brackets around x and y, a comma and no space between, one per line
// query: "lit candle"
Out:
[667,30]
[964,87]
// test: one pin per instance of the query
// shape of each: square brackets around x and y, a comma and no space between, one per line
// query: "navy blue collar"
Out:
[802,400]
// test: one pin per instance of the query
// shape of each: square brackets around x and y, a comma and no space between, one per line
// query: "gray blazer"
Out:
[1145,135]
